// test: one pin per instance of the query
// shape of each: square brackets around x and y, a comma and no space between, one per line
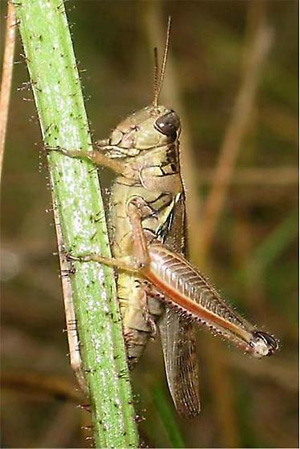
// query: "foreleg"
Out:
[96,157]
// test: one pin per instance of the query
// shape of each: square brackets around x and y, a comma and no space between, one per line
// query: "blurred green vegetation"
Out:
[254,258]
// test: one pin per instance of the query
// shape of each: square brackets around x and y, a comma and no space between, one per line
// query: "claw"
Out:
[70,257]
[79,258]
[47,148]
[80,154]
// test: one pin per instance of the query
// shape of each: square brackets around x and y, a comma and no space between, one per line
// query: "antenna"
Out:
[156,93]
[158,83]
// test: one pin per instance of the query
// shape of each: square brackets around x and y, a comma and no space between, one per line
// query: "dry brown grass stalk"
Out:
[7,74]
[235,133]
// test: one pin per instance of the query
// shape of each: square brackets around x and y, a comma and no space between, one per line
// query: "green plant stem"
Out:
[79,219]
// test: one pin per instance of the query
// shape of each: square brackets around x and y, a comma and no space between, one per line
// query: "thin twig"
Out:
[282,176]
[7,74]
[42,384]
[71,322]
[234,136]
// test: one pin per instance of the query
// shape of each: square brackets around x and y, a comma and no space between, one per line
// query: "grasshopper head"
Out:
[147,129]
[150,128]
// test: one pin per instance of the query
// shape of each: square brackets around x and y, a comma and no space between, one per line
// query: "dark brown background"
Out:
[253,259]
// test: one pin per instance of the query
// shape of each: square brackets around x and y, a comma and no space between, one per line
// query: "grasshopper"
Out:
[156,285]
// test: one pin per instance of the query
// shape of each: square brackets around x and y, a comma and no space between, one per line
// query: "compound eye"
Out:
[168,124]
